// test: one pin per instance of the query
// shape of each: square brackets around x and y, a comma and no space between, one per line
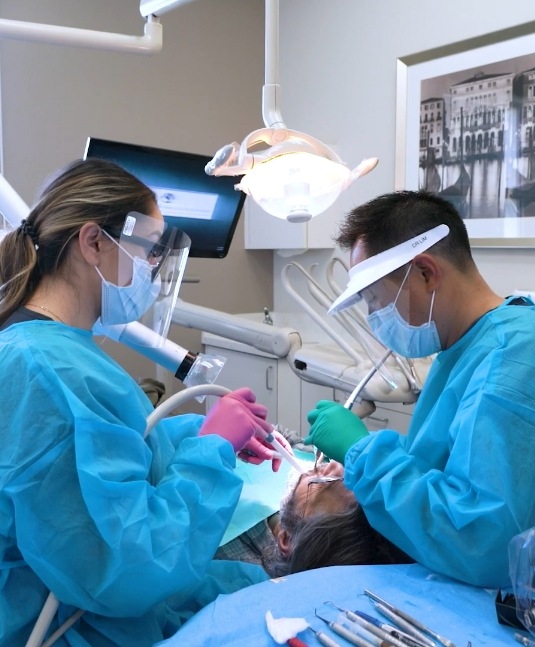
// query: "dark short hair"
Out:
[336,539]
[393,218]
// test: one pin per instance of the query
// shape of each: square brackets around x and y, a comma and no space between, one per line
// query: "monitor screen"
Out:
[207,208]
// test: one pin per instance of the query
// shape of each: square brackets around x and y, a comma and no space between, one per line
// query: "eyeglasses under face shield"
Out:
[165,248]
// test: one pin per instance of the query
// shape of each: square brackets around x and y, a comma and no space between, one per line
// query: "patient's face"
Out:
[309,498]
[322,498]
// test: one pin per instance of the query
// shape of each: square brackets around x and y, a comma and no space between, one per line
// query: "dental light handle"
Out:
[360,386]
[190,368]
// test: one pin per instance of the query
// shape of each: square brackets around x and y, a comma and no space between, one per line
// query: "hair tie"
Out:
[28,230]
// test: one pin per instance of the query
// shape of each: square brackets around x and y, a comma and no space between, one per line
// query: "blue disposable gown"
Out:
[455,490]
[119,526]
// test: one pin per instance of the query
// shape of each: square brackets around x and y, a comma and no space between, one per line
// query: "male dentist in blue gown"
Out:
[460,484]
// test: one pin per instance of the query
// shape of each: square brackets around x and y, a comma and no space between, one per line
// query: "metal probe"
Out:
[404,624]
[412,622]
[345,633]
[324,639]
[393,634]
[360,386]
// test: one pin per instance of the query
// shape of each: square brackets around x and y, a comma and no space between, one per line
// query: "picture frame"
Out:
[465,130]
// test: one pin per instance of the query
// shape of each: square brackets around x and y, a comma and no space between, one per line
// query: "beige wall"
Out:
[202,91]
[338,82]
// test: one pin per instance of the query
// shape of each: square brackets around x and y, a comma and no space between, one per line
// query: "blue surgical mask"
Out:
[123,304]
[401,337]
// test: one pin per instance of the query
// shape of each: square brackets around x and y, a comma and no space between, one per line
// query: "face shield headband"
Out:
[380,265]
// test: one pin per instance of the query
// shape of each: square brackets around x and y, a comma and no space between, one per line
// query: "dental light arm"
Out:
[281,342]
[149,43]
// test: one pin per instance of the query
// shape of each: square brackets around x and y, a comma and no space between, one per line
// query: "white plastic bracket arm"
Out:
[149,43]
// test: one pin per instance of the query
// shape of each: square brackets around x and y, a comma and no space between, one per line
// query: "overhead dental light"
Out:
[290,174]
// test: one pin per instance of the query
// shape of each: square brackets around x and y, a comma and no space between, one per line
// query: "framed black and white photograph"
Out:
[465,130]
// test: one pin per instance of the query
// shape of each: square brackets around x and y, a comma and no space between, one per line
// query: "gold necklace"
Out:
[54,315]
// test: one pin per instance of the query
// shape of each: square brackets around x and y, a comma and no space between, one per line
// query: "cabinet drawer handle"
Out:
[383,421]
[269,378]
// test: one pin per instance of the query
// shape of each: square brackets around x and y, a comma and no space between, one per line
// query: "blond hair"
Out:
[92,190]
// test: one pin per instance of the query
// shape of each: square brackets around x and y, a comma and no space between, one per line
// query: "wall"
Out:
[202,91]
[338,79]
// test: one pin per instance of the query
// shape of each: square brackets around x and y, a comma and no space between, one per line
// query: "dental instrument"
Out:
[409,628]
[408,623]
[360,386]
[324,639]
[394,633]
[346,633]
[325,479]
[371,626]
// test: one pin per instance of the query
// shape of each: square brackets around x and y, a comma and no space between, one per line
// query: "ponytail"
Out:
[19,270]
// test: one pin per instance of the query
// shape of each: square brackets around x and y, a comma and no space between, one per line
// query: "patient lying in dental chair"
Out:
[319,524]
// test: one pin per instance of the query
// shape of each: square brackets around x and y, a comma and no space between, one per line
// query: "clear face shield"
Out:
[137,309]
[159,252]
[382,281]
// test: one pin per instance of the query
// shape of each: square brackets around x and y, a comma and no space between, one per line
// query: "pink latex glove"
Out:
[258,450]
[236,417]
[248,399]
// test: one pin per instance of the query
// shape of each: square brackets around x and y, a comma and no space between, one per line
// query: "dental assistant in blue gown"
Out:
[120,527]
[455,490]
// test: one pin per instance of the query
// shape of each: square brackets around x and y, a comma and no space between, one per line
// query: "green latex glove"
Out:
[334,429]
